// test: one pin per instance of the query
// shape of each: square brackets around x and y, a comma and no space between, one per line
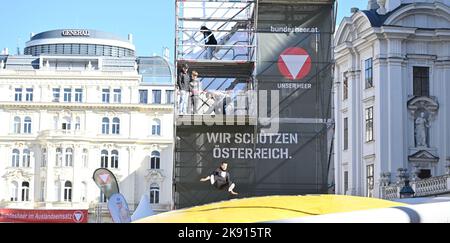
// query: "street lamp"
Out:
[407,191]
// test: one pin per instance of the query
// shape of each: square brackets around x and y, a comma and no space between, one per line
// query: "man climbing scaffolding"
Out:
[220,179]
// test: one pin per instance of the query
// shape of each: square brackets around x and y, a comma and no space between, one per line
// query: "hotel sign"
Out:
[75,33]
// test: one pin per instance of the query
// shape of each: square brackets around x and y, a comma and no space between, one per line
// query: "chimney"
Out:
[5,51]
[32,34]
[130,38]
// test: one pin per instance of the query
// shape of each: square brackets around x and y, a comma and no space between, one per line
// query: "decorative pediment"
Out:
[423,103]
[423,156]
[154,176]
[17,175]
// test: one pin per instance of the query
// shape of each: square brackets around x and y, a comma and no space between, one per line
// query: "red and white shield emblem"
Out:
[294,63]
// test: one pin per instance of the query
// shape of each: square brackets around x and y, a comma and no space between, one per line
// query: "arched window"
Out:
[104,159]
[155,160]
[84,158]
[115,159]
[27,125]
[154,194]
[25,191]
[68,191]
[105,125]
[116,126]
[17,125]
[69,157]
[59,157]
[26,158]
[15,159]
[14,191]
[156,127]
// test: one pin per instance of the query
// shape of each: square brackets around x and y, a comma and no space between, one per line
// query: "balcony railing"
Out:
[423,188]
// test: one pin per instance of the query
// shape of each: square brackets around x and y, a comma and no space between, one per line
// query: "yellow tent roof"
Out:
[269,208]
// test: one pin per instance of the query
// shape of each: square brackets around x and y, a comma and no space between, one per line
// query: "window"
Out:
[77,124]
[18,94]
[59,156]
[421,76]
[369,73]
[17,124]
[67,95]
[44,158]
[69,158]
[26,158]
[345,133]
[370,180]
[156,127]
[117,96]
[66,124]
[68,191]
[345,182]
[155,160]
[84,158]
[25,191]
[369,124]
[27,125]
[104,159]
[79,95]
[116,126]
[15,159]
[143,96]
[14,192]
[156,97]
[154,194]
[56,94]
[170,97]
[29,94]
[345,87]
[105,95]
[115,159]
[105,125]
[84,191]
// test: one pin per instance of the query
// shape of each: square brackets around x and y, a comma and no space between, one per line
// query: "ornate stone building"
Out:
[392,97]
[77,101]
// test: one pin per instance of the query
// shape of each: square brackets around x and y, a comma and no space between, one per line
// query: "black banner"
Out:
[294,57]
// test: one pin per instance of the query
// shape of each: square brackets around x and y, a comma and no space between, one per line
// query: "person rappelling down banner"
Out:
[220,179]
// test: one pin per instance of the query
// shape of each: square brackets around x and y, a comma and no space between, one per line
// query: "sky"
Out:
[152,22]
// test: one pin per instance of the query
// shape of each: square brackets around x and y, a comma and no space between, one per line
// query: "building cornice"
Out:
[86,106]
[46,74]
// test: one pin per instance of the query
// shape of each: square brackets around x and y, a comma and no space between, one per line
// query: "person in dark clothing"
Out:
[183,89]
[210,41]
[220,179]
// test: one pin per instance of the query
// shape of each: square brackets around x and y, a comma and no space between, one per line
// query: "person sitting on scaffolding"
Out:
[195,92]
[210,42]
[183,89]
[220,179]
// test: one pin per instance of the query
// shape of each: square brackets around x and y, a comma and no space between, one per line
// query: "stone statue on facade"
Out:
[421,126]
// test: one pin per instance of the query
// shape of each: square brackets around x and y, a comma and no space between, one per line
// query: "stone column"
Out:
[50,178]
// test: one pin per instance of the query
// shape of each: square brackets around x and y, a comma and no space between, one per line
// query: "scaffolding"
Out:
[226,68]
[228,85]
